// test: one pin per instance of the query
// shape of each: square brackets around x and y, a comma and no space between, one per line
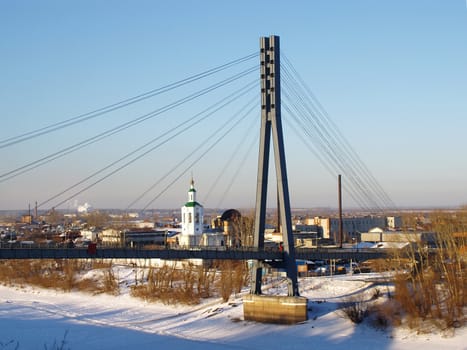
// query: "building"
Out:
[377,235]
[192,219]
[394,222]
[27,219]
[133,238]
[353,226]
[90,235]
[229,223]
[112,237]
[141,238]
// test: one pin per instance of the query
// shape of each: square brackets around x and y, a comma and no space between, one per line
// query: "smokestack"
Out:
[278,212]
[341,228]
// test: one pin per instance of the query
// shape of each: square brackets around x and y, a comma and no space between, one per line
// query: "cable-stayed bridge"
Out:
[306,117]
[208,120]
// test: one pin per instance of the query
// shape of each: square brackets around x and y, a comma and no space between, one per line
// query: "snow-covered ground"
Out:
[33,318]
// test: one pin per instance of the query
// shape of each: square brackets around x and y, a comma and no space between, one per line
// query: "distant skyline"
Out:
[392,75]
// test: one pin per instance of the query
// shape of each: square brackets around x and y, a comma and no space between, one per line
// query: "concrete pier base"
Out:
[275,309]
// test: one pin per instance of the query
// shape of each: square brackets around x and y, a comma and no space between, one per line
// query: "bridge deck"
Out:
[179,254]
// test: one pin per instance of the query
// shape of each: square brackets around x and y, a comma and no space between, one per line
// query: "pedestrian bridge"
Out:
[206,253]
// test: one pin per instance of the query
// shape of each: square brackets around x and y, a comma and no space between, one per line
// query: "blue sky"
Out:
[391,74]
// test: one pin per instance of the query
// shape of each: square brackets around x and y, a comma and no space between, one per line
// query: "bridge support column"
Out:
[275,309]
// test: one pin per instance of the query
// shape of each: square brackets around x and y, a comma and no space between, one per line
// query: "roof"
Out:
[192,204]
[391,245]
[230,215]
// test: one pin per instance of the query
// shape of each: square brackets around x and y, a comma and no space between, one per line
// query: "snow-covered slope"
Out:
[36,318]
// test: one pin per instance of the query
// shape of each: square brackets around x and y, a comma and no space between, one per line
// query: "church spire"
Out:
[192,191]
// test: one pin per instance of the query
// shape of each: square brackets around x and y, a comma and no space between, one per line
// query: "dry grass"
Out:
[60,274]
[169,285]
[190,283]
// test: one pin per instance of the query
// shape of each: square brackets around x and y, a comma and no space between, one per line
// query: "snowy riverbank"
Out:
[32,318]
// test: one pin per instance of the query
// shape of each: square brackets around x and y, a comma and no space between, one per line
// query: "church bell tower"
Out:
[192,214]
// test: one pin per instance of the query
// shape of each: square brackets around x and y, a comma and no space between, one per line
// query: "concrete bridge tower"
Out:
[271,124]
[258,307]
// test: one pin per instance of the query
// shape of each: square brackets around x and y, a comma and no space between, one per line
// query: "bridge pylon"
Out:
[271,124]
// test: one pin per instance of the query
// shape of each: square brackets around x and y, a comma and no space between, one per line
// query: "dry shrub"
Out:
[101,264]
[169,285]
[355,309]
[241,276]
[386,314]
[376,294]
[429,285]
[110,283]
[205,281]
[43,273]
[381,314]
[225,282]
[233,277]
[187,285]
[61,274]
[86,285]
[186,292]
[435,291]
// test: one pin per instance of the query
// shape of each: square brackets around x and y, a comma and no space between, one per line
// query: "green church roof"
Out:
[192,204]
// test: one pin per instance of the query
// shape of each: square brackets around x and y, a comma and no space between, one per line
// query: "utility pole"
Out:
[271,124]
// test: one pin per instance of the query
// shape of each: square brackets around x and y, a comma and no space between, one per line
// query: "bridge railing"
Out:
[46,251]
[134,253]
[65,245]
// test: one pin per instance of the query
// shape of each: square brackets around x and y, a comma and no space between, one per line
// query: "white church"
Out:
[193,234]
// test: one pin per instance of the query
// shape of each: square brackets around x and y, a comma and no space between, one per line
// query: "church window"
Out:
[189,218]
